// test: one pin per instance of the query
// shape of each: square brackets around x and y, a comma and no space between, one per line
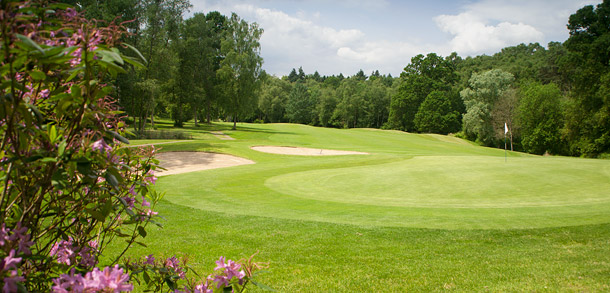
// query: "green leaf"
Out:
[96,215]
[142,231]
[146,277]
[118,136]
[49,160]
[109,56]
[75,72]
[262,286]
[137,52]
[38,75]
[112,180]
[62,148]
[28,42]
[84,167]
[112,67]
[52,131]
[133,62]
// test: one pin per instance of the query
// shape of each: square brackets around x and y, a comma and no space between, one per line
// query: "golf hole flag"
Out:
[505,128]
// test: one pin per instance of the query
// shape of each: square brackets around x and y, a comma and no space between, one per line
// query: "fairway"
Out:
[407,180]
[417,213]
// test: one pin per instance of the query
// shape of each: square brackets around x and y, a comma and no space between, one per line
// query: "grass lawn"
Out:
[420,212]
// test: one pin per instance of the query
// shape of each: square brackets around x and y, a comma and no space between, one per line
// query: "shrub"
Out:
[69,187]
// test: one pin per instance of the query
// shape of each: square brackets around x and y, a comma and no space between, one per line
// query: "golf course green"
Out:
[418,212]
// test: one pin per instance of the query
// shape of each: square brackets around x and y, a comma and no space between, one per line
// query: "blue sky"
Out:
[344,36]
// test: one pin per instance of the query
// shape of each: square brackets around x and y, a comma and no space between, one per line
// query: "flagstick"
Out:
[504,147]
[511,146]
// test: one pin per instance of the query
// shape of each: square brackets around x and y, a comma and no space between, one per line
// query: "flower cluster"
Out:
[67,252]
[13,243]
[110,279]
[228,272]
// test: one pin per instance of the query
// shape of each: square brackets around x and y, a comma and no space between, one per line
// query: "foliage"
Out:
[483,91]
[300,105]
[588,111]
[421,77]
[70,186]
[241,67]
[436,114]
[540,118]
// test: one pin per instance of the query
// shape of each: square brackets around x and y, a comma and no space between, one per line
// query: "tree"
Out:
[541,118]
[241,66]
[484,90]
[376,103]
[350,109]
[273,99]
[588,114]
[505,110]
[300,105]
[437,115]
[422,76]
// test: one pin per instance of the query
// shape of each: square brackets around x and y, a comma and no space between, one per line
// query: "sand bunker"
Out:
[183,162]
[298,151]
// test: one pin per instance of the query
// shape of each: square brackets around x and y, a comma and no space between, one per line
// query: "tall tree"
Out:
[437,114]
[588,117]
[422,76]
[541,118]
[300,105]
[241,67]
[483,92]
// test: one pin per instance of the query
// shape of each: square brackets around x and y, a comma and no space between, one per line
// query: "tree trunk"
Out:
[207,112]
[234,122]
[195,114]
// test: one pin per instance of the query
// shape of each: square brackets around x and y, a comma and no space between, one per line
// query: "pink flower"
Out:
[101,145]
[71,13]
[10,283]
[64,251]
[110,278]
[172,262]
[150,177]
[132,190]
[202,288]
[130,201]
[10,261]
[88,253]
[230,269]
[69,283]
[4,234]
[19,234]
[150,260]
[144,202]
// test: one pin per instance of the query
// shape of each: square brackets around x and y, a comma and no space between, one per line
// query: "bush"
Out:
[69,187]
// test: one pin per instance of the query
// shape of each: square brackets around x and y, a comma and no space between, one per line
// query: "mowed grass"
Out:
[420,212]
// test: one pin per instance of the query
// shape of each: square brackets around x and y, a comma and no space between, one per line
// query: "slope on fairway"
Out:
[408,180]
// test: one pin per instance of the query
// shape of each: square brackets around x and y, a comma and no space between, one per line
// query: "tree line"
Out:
[553,100]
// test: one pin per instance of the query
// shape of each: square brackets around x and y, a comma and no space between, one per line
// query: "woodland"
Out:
[554,99]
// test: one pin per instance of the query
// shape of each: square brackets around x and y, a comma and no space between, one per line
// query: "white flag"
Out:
[505,128]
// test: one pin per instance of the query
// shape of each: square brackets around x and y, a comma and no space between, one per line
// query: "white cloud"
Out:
[300,42]
[489,25]
[472,35]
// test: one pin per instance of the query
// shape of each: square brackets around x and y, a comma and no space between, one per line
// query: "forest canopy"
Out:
[553,99]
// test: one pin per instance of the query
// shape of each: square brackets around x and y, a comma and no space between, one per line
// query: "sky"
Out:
[344,36]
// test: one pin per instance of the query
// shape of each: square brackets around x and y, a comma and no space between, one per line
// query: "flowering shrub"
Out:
[68,185]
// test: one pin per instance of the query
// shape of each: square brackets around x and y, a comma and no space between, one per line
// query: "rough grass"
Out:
[421,213]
